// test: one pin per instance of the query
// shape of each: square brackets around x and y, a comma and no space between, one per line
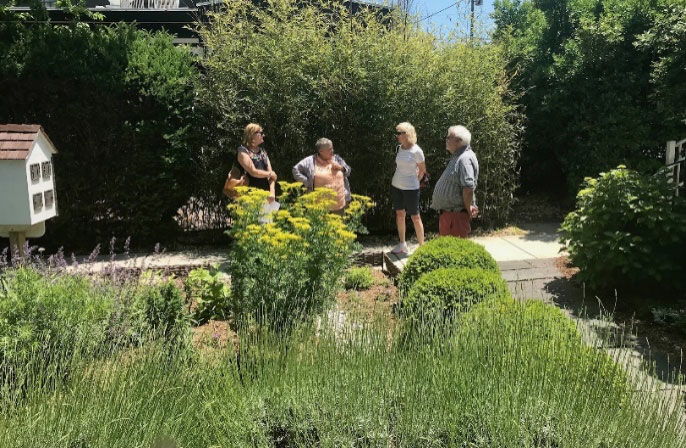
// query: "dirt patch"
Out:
[505,231]
[565,266]
[535,207]
[375,302]
[215,334]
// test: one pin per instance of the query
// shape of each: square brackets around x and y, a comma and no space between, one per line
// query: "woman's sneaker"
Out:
[400,248]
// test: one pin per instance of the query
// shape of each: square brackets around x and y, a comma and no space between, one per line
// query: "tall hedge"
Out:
[308,72]
[601,82]
[117,103]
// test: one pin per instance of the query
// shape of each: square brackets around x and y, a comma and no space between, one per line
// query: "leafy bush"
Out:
[210,292]
[445,252]
[161,306]
[288,269]
[447,292]
[313,69]
[576,125]
[671,317]
[358,278]
[626,231]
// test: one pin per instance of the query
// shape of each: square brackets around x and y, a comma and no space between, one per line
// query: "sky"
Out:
[450,14]
[456,14]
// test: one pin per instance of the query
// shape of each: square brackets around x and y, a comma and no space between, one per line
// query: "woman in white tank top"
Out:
[410,167]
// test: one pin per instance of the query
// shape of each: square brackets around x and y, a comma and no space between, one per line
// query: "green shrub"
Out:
[353,78]
[626,231]
[210,293]
[288,270]
[576,125]
[447,292]
[445,252]
[47,315]
[161,307]
[503,331]
[546,321]
[142,141]
[358,278]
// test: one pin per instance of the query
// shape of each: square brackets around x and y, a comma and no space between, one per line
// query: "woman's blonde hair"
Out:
[408,129]
[249,132]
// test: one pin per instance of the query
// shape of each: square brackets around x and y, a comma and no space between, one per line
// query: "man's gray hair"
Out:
[462,133]
[322,143]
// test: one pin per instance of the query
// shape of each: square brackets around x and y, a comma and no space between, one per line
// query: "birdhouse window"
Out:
[47,169]
[49,199]
[35,172]
[37,202]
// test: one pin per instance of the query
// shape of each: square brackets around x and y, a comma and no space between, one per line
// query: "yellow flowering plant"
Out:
[289,269]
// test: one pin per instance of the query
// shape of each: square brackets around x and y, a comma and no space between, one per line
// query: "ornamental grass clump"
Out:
[515,374]
[41,311]
[445,252]
[289,269]
[358,278]
[447,292]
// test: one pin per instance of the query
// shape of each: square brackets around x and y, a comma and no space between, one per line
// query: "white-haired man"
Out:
[453,195]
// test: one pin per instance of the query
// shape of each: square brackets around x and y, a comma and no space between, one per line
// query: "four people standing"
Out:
[453,196]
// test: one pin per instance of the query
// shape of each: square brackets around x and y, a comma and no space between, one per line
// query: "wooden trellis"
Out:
[675,161]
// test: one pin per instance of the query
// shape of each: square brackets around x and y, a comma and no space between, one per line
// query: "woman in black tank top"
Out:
[254,161]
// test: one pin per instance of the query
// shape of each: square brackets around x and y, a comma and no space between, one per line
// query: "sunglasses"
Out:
[400,133]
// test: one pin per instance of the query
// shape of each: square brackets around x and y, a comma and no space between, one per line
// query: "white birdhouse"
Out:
[27,181]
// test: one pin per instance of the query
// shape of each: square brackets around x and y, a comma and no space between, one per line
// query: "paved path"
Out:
[526,257]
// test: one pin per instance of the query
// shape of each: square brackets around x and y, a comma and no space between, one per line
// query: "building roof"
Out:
[16,140]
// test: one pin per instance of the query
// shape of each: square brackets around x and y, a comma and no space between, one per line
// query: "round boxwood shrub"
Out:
[446,292]
[539,347]
[546,321]
[445,252]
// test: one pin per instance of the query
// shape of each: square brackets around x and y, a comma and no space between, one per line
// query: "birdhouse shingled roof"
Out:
[16,140]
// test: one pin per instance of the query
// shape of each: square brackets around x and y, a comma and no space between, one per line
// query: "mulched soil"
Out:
[367,305]
[377,301]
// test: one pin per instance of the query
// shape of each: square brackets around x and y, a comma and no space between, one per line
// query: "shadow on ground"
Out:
[658,349]
[546,232]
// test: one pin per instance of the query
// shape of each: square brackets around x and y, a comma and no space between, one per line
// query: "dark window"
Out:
[37,202]
[35,172]
[47,169]
[49,199]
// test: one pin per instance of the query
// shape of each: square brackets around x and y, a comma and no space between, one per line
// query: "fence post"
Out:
[670,152]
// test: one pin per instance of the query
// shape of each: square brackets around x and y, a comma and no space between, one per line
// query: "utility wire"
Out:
[437,12]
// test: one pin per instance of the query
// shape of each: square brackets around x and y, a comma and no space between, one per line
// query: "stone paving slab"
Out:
[502,250]
[538,248]
[528,274]
[514,265]
[537,243]
[188,258]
